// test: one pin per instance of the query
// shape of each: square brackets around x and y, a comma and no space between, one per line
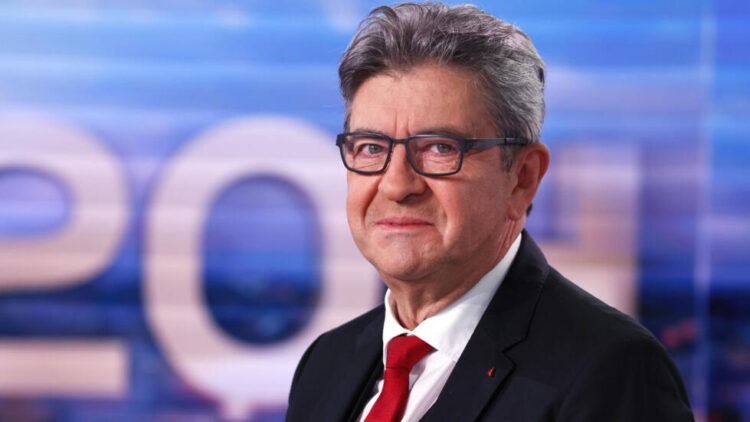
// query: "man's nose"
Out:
[399,179]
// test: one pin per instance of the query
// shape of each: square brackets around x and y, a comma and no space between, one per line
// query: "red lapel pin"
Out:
[491,372]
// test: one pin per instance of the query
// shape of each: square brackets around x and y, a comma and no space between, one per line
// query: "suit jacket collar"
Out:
[483,366]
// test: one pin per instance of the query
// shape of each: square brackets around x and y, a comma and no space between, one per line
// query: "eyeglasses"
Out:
[429,155]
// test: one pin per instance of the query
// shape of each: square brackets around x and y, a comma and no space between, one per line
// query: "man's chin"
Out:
[402,271]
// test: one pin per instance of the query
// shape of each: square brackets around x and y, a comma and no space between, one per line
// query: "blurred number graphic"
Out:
[241,377]
[72,255]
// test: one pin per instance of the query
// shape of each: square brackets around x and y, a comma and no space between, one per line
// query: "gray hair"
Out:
[507,67]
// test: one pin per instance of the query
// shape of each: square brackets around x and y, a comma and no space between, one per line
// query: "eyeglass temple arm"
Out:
[486,143]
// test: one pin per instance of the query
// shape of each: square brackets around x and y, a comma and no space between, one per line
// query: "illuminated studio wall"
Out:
[172,232]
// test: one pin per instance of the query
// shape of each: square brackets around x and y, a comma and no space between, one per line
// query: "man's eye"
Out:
[371,149]
[442,148]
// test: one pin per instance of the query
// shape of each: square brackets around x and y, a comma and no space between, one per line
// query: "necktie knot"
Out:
[405,351]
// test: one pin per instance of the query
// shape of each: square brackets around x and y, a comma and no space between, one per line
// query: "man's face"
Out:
[416,228]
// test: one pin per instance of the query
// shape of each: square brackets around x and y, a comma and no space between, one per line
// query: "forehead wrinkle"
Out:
[408,104]
[462,89]
[382,115]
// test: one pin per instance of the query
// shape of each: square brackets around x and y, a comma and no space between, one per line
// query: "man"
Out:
[444,107]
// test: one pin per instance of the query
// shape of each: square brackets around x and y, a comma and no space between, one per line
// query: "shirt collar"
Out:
[449,330]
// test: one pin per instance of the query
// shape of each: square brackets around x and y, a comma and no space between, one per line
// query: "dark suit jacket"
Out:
[558,354]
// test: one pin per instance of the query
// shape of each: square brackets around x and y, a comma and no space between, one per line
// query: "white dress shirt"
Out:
[447,332]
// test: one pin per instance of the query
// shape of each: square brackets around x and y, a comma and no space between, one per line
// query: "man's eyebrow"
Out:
[368,130]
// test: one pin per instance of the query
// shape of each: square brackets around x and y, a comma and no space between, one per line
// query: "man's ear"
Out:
[529,166]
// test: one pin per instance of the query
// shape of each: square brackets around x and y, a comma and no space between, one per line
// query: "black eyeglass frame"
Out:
[465,144]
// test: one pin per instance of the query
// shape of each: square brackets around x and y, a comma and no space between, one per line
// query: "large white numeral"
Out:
[243,377]
[71,255]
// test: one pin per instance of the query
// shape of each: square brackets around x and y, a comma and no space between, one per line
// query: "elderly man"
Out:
[444,108]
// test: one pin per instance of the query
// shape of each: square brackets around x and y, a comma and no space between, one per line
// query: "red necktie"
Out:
[403,353]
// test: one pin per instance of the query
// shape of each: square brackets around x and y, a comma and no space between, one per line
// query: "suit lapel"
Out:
[357,374]
[483,366]
[365,392]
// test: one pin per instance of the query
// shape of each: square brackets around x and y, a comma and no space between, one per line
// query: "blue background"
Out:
[670,78]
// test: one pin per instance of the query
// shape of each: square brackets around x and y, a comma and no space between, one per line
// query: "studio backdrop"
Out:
[172,225]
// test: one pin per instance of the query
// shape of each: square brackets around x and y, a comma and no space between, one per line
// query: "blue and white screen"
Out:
[172,225]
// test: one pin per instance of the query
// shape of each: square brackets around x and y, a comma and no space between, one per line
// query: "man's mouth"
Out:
[402,222]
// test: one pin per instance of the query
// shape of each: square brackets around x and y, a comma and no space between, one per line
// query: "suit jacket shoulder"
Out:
[587,361]
[547,350]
